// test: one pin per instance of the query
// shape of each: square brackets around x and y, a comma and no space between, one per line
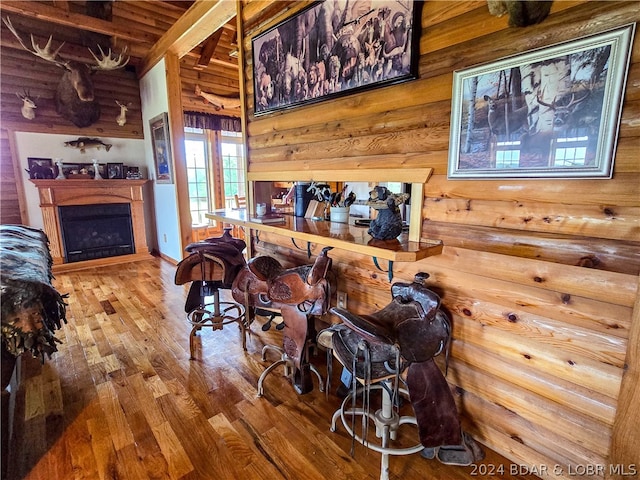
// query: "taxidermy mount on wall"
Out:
[29,106]
[121,119]
[82,143]
[219,102]
[522,13]
[75,95]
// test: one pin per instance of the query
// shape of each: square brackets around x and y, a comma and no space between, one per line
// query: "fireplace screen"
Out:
[96,231]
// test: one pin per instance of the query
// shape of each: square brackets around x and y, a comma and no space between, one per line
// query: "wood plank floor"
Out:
[122,400]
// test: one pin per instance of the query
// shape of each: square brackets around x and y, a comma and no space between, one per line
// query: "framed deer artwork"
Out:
[333,48]
[161,143]
[552,112]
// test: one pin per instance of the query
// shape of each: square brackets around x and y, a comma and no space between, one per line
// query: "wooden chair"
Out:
[240,202]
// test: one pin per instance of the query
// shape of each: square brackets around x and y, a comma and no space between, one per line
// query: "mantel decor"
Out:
[552,112]
[161,143]
[324,51]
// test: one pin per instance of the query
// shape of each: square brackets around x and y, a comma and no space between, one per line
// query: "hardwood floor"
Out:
[122,400]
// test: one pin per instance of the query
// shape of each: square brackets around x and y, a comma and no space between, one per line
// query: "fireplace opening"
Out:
[96,231]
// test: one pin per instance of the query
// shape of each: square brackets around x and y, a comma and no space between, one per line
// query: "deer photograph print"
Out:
[552,112]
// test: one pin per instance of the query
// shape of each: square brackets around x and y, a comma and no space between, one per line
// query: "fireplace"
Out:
[93,222]
[96,231]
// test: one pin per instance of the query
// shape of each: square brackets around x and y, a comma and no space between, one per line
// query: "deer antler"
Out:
[44,53]
[109,61]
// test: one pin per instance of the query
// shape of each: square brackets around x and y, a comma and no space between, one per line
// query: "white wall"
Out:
[131,152]
[161,210]
[153,95]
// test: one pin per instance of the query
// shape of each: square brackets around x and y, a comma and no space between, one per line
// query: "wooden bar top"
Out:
[338,235]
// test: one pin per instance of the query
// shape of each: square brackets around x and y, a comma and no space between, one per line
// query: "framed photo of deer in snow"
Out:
[161,144]
[552,112]
[333,48]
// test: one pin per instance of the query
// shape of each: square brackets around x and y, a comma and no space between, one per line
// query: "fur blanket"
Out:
[32,309]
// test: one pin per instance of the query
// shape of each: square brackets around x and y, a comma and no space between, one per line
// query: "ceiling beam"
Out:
[61,16]
[196,25]
[207,51]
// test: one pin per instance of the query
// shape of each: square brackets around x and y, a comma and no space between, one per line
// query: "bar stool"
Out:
[299,293]
[212,265]
[392,351]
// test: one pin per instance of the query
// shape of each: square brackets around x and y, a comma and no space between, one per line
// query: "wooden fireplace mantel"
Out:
[55,193]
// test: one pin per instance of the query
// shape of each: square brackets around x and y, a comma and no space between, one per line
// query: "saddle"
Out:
[298,292]
[405,336]
[212,263]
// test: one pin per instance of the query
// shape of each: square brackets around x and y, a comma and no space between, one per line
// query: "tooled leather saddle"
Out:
[298,292]
[406,335]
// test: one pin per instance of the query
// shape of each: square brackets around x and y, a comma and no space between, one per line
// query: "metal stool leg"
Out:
[216,315]
[386,421]
[289,369]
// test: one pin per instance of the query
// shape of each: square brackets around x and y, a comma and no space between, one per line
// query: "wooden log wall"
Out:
[540,276]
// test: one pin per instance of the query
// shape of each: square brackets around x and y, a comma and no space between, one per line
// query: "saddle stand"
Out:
[391,352]
[299,293]
[212,265]
[289,364]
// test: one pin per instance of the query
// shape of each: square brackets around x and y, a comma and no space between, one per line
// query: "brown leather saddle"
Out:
[212,263]
[405,336]
[298,292]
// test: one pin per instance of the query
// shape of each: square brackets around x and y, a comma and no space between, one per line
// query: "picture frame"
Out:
[114,171]
[69,170]
[549,113]
[41,168]
[161,143]
[370,47]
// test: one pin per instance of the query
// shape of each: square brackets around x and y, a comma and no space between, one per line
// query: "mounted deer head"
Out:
[74,96]
[28,105]
[121,119]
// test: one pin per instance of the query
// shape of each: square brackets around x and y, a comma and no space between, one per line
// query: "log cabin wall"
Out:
[540,276]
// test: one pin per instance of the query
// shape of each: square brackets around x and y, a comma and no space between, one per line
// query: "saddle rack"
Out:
[391,351]
[212,265]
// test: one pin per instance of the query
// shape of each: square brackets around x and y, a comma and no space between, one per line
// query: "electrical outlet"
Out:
[164,237]
[342,299]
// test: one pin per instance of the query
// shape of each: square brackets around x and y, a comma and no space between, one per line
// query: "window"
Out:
[205,165]
[232,151]
[197,174]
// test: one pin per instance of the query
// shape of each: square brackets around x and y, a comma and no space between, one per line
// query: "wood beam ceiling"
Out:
[190,30]
[62,16]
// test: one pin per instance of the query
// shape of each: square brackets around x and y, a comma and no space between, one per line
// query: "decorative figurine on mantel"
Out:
[60,172]
[96,170]
[388,224]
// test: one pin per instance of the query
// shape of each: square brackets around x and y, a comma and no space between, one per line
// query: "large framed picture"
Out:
[333,48]
[552,112]
[161,143]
